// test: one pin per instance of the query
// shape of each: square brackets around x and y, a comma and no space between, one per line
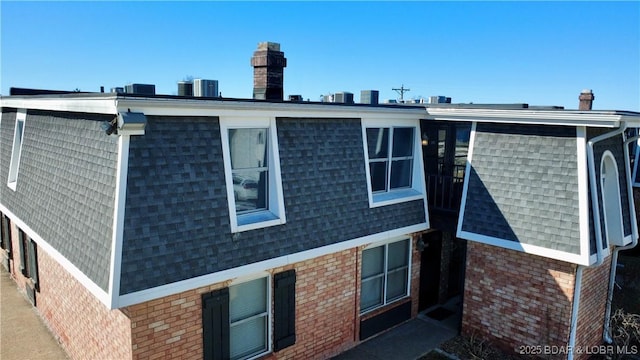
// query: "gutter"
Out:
[606,335]
[598,233]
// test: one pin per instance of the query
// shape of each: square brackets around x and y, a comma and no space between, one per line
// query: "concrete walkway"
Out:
[409,341]
[23,335]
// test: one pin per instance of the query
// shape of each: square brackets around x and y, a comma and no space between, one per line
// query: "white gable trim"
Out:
[93,288]
[85,104]
[118,219]
[250,269]
[467,171]
[583,194]
[579,259]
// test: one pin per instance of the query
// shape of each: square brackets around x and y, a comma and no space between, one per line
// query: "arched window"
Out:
[610,192]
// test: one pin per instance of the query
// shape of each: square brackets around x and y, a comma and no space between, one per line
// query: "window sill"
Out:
[256,220]
[369,313]
[395,197]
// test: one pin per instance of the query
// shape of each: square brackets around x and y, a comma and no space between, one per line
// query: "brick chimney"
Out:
[268,72]
[586,99]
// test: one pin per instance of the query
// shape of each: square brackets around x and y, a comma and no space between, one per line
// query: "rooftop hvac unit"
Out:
[205,88]
[369,96]
[141,89]
[185,88]
[343,97]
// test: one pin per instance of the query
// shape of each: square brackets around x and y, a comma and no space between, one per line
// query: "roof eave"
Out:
[608,119]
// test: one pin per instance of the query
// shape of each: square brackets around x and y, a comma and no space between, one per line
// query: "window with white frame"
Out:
[394,175]
[252,172]
[385,274]
[249,319]
[16,150]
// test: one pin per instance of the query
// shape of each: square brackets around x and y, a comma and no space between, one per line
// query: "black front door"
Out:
[430,269]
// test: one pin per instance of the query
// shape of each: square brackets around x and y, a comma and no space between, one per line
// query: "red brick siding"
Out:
[593,299]
[326,306]
[16,274]
[327,312]
[515,299]
[85,327]
[170,327]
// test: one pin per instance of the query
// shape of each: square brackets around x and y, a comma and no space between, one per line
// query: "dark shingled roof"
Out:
[523,186]
[177,217]
[66,185]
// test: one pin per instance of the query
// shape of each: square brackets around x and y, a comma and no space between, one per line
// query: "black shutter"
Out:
[23,254]
[6,236]
[33,264]
[215,325]
[284,317]
[3,234]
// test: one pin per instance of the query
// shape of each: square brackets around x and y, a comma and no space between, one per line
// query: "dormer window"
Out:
[391,149]
[16,150]
[252,172]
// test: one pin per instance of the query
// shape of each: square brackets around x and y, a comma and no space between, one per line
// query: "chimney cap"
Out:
[267,45]
[587,91]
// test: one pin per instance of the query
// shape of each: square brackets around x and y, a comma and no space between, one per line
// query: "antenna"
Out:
[401,91]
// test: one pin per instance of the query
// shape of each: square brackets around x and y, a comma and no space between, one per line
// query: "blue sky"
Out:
[541,53]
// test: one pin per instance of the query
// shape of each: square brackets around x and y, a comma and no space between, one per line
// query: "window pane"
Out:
[250,190]
[371,293]
[402,142]
[378,172]
[372,262]
[400,174]
[398,255]
[247,299]
[396,284]
[248,338]
[378,142]
[248,148]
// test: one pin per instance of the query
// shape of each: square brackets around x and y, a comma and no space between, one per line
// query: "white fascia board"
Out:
[98,105]
[583,191]
[580,259]
[541,117]
[229,108]
[262,266]
[467,172]
[118,219]
[92,287]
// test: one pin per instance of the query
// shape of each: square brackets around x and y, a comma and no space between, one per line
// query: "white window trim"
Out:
[16,154]
[416,191]
[636,167]
[603,197]
[275,211]
[386,254]
[239,281]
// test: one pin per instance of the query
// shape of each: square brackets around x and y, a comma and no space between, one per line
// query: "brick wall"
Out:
[327,312]
[326,306]
[15,272]
[170,327]
[516,299]
[593,299]
[83,325]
